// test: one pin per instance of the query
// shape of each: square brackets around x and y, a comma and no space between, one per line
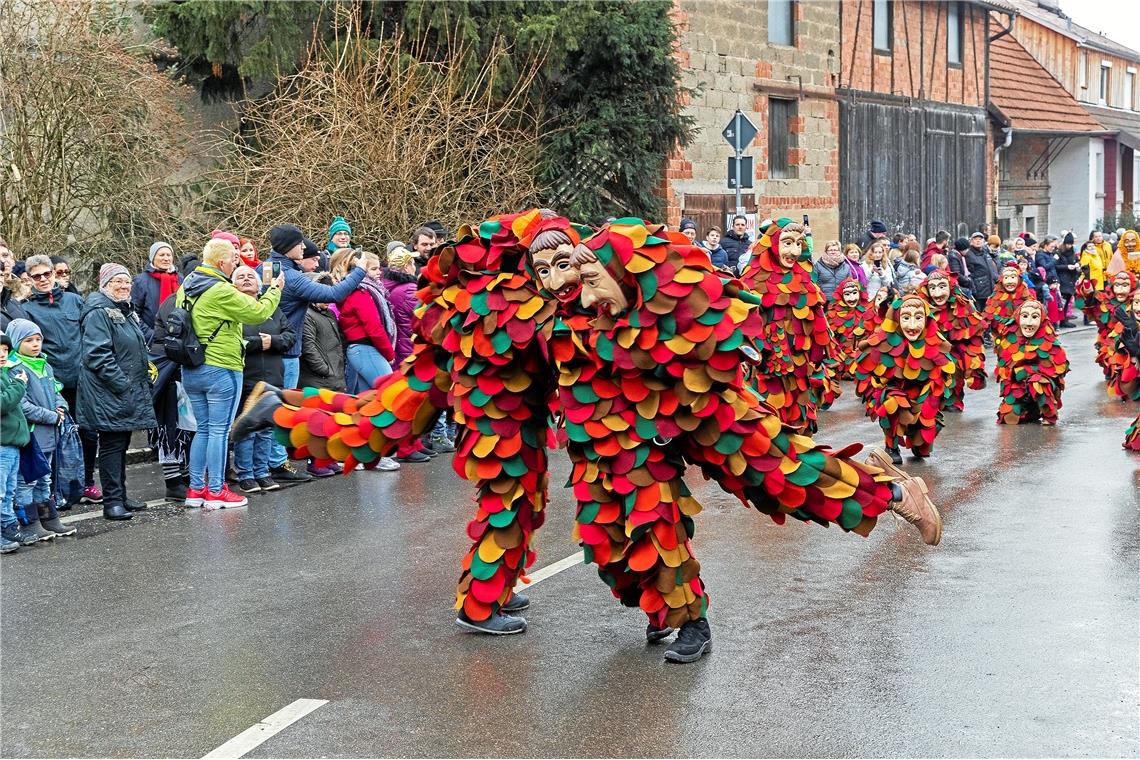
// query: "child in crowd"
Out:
[14,434]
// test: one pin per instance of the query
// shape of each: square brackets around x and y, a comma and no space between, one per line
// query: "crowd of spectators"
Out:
[80,376]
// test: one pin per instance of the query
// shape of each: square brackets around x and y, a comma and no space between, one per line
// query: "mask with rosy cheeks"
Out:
[1130,242]
[1009,278]
[1029,319]
[851,295]
[939,290]
[558,276]
[600,290]
[791,247]
[912,320]
[1121,286]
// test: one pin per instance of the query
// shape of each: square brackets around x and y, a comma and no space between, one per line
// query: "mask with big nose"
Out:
[1009,278]
[1029,319]
[912,319]
[938,286]
[556,274]
[791,247]
[1121,285]
[851,294]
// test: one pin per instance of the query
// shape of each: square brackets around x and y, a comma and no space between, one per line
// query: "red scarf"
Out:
[167,284]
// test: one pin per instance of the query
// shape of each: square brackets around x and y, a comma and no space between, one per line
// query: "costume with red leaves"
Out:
[1002,305]
[661,384]
[796,341]
[1099,306]
[850,325]
[478,351]
[1125,380]
[1031,370]
[961,325]
[905,382]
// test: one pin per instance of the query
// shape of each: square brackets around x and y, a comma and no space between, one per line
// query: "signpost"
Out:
[739,134]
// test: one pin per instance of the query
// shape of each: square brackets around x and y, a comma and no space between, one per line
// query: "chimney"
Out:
[1053,6]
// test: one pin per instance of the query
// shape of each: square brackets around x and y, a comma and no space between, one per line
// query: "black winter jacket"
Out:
[145,291]
[1067,277]
[10,309]
[322,351]
[735,246]
[114,382]
[57,315]
[958,266]
[261,364]
[982,277]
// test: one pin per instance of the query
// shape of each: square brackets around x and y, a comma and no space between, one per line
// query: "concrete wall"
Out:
[1072,178]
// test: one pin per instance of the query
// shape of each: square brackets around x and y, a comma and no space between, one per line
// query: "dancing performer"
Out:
[905,375]
[960,323]
[1031,370]
[796,341]
[1002,305]
[852,318]
[1128,353]
[1099,306]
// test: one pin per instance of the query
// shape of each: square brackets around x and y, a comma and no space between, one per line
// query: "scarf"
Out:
[832,259]
[380,298]
[167,283]
[37,364]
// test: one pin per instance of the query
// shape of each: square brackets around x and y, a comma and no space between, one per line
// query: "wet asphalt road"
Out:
[167,636]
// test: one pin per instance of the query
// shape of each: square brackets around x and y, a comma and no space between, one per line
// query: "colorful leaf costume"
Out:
[661,384]
[1003,303]
[850,325]
[1100,308]
[961,325]
[796,340]
[906,382]
[478,351]
[1127,357]
[1032,374]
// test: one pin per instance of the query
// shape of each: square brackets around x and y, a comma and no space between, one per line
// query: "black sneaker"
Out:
[896,455]
[496,625]
[416,457]
[134,505]
[268,484]
[175,490]
[55,526]
[249,485]
[288,475]
[653,634]
[518,603]
[692,642]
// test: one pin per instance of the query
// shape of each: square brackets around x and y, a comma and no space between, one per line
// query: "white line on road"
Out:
[257,734]
[99,513]
[543,573]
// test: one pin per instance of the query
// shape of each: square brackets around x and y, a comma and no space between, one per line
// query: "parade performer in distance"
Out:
[1031,370]
[1099,306]
[1126,258]
[1128,355]
[961,324]
[1003,303]
[852,318]
[905,375]
[796,341]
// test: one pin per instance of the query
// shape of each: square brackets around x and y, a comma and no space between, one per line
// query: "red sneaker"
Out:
[223,499]
[195,497]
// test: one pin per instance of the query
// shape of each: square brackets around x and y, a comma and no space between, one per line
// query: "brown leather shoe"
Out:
[876,457]
[917,509]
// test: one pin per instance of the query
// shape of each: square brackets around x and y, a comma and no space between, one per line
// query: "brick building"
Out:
[777,62]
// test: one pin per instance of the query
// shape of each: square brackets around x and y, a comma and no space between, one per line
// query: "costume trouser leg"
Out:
[636,526]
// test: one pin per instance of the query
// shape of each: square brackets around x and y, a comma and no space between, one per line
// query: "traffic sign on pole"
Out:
[744,177]
[739,133]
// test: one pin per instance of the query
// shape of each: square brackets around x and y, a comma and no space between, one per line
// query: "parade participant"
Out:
[1099,307]
[851,318]
[1031,370]
[959,322]
[904,375]
[1126,258]
[1001,308]
[1128,343]
[1123,372]
[795,341]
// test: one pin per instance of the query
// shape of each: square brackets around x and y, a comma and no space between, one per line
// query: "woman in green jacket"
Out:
[218,311]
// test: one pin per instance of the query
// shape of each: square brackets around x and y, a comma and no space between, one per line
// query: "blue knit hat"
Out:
[19,329]
[339,225]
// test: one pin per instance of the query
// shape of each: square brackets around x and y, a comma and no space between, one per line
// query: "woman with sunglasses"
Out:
[63,275]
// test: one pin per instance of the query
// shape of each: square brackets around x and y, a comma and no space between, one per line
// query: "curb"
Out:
[141,456]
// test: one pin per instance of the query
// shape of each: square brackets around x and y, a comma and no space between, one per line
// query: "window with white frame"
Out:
[1083,70]
[1129,87]
[1105,82]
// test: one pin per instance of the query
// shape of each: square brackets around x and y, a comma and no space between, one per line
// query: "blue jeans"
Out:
[251,455]
[213,393]
[292,371]
[37,492]
[367,365]
[9,477]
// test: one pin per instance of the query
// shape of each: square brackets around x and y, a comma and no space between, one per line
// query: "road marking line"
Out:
[260,732]
[99,513]
[542,574]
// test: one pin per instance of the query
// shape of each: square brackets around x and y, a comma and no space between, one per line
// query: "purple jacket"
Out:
[402,295]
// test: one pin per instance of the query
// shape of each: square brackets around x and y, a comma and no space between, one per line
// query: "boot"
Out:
[496,625]
[116,512]
[257,414]
[691,643]
[52,523]
[175,490]
[39,531]
[912,503]
[134,505]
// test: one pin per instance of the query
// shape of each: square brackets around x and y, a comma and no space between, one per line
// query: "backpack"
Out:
[181,344]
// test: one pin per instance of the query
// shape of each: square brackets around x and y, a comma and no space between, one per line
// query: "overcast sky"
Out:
[1119,20]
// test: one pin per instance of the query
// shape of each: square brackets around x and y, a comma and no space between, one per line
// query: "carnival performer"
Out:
[796,341]
[960,324]
[852,318]
[1002,305]
[1099,306]
[1126,258]
[905,375]
[1031,370]
[1128,348]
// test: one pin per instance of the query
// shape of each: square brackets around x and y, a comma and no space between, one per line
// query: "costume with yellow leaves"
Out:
[850,325]
[1031,370]
[661,384]
[796,340]
[1002,305]
[905,383]
[960,324]
[1099,306]
[477,352]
